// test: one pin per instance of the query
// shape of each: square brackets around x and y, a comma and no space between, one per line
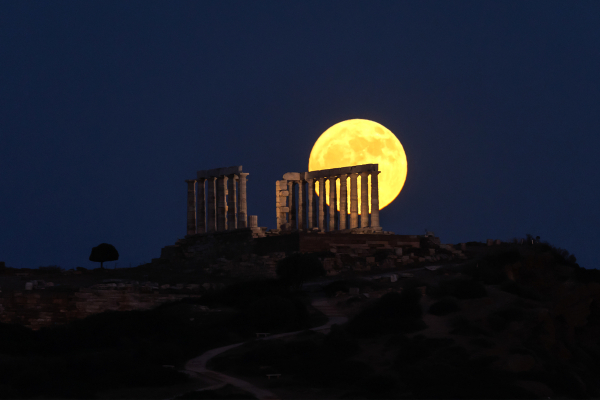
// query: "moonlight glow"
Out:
[360,141]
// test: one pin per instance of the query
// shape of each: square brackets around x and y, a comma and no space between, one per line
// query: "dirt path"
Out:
[198,365]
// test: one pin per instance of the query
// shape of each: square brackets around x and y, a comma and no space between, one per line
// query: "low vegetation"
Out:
[297,268]
[444,306]
[460,288]
[226,392]
[311,357]
[392,313]
[128,349]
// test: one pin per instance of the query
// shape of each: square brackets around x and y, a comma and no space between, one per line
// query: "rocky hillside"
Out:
[514,322]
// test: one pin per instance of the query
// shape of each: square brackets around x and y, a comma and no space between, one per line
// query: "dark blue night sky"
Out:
[107,107]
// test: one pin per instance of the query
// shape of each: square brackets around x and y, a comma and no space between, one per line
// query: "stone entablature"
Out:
[314,214]
[218,201]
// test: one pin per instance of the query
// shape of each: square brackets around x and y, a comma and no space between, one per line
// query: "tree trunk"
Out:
[102,264]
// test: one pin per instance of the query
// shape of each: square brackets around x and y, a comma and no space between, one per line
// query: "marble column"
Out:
[221,203]
[191,207]
[311,211]
[353,201]
[333,204]
[242,217]
[322,205]
[201,210]
[364,199]
[292,204]
[375,199]
[343,201]
[211,203]
[280,203]
[301,206]
[231,202]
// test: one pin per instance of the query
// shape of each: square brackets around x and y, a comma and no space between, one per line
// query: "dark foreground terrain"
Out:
[103,355]
[513,322]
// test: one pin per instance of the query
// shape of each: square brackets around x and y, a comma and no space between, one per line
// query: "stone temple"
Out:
[217,202]
[223,240]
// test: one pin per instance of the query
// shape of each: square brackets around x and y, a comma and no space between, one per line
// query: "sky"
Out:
[106,108]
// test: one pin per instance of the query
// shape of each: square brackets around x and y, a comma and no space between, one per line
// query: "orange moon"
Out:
[356,142]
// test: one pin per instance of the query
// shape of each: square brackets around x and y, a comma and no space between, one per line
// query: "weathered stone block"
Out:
[292,176]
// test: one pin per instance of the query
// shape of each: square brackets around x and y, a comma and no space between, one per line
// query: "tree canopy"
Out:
[104,252]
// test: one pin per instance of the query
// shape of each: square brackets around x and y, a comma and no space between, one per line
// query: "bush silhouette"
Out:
[500,319]
[274,313]
[462,326]
[296,269]
[104,252]
[340,344]
[392,313]
[460,288]
[242,294]
[444,306]
[375,386]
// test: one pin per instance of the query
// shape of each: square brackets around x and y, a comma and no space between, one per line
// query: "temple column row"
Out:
[218,208]
[343,201]
[307,216]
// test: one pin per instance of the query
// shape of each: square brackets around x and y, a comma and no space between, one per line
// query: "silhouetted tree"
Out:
[298,268]
[104,252]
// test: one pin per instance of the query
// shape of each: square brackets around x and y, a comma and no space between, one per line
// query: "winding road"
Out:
[197,365]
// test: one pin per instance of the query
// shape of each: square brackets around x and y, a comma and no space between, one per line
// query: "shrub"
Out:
[444,306]
[490,270]
[341,371]
[375,386]
[510,286]
[462,326]
[242,294]
[460,288]
[520,289]
[152,375]
[226,392]
[482,342]
[296,269]
[412,283]
[339,343]
[275,313]
[417,349]
[587,275]
[500,319]
[392,313]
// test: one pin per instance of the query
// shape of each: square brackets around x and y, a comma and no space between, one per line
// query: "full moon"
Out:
[356,142]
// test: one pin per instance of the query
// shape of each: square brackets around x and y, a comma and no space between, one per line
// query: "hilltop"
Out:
[494,321]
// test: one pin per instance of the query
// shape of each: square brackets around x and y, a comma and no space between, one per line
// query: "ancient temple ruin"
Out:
[312,212]
[217,200]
